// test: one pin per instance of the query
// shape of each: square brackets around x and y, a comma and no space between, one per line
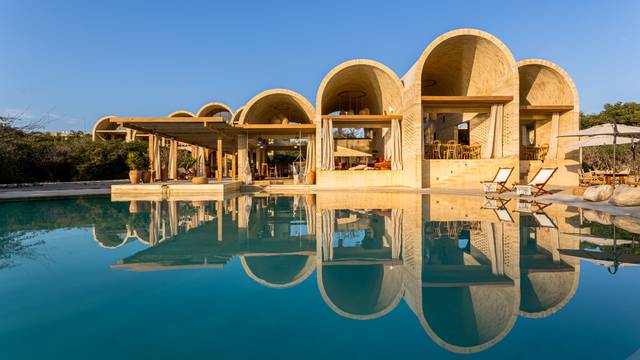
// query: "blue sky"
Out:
[79,60]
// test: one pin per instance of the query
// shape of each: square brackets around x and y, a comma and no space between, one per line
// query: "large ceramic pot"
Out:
[135,176]
[146,177]
[310,179]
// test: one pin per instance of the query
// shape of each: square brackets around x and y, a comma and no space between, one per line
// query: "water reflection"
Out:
[467,267]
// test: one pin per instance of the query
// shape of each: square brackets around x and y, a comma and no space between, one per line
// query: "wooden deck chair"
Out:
[498,184]
[536,210]
[535,187]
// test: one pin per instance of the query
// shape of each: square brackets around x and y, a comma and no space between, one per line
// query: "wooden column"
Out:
[219,160]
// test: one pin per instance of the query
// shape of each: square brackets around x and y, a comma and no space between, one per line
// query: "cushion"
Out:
[523,190]
[490,187]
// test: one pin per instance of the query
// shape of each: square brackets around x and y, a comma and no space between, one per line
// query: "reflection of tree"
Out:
[17,244]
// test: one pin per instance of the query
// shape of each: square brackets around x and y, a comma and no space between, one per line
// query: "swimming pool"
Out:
[327,275]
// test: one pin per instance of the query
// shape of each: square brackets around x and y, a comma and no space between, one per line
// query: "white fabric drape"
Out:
[396,145]
[173,217]
[328,162]
[156,157]
[310,214]
[310,161]
[200,161]
[493,148]
[173,160]
[243,158]
[524,136]
[328,231]
[552,153]
[393,233]
[386,142]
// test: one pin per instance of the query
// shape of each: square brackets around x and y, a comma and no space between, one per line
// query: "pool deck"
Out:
[121,190]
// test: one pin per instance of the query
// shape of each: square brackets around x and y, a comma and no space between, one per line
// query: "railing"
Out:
[531,152]
[451,150]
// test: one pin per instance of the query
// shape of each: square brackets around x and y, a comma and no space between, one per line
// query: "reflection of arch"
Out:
[545,83]
[467,62]
[181,113]
[544,293]
[361,292]
[216,109]
[109,238]
[468,319]
[376,87]
[270,106]
[104,123]
[278,271]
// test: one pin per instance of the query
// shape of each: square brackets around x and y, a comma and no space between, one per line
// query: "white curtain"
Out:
[328,162]
[243,158]
[393,233]
[386,141]
[552,153]
[310,213]
[328,230]
[493,148]
[156,157]
[310,161]
[524,136]
[173,160]
[200,161]
[396,145]
[173,217]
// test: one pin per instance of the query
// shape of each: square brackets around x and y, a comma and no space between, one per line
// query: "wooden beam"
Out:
[363,117]
[210,119]
[170,136]
[219,160]
[448,100]
[545,109]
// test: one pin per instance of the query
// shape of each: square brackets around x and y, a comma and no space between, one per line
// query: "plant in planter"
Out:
[138,162]
[189,164]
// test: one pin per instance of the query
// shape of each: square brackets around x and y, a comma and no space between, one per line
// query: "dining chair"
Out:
[450,149]
[435,149]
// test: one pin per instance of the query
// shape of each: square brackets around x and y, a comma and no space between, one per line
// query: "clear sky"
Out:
[80,60]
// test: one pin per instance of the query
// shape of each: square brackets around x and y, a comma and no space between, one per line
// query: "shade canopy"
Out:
[605,129]
[602,140]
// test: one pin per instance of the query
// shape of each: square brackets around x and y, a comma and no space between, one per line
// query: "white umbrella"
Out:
[612,129]
[602,140]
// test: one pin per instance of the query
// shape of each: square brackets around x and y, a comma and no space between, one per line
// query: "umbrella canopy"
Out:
[605,129]
[602,140]
[342,151]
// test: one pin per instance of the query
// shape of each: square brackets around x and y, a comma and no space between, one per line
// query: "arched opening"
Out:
[104,129]
[278,106]
[216,109]
[181,113]
[468,87]
[360,100]
[548,100]
[276,127]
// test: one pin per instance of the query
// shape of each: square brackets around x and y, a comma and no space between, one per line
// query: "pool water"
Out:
[327,275]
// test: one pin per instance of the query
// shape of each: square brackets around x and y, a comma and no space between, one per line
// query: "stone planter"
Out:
[146,177]
[135,176]
[164,174]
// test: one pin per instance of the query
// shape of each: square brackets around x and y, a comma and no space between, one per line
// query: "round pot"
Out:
[133,207]
[207,170]
[310,179]
[146,177]
[164,174]
[135,176]
[200,180]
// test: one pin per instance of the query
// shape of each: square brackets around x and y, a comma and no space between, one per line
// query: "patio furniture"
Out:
[450,150]
[435,149]
[498,206]
[498,184]
[591,178]
[475,150]
[535,187]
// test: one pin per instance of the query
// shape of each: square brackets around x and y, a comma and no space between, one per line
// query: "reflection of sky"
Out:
[298,228]
[349,238]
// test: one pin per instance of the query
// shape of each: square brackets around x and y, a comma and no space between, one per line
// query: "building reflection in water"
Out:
[467,267]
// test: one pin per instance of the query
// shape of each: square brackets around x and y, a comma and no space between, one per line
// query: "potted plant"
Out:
[137,163]
[188,164]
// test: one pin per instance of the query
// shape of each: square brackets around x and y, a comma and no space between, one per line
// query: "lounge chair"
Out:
[535,187]
[536,210]
[498,184]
